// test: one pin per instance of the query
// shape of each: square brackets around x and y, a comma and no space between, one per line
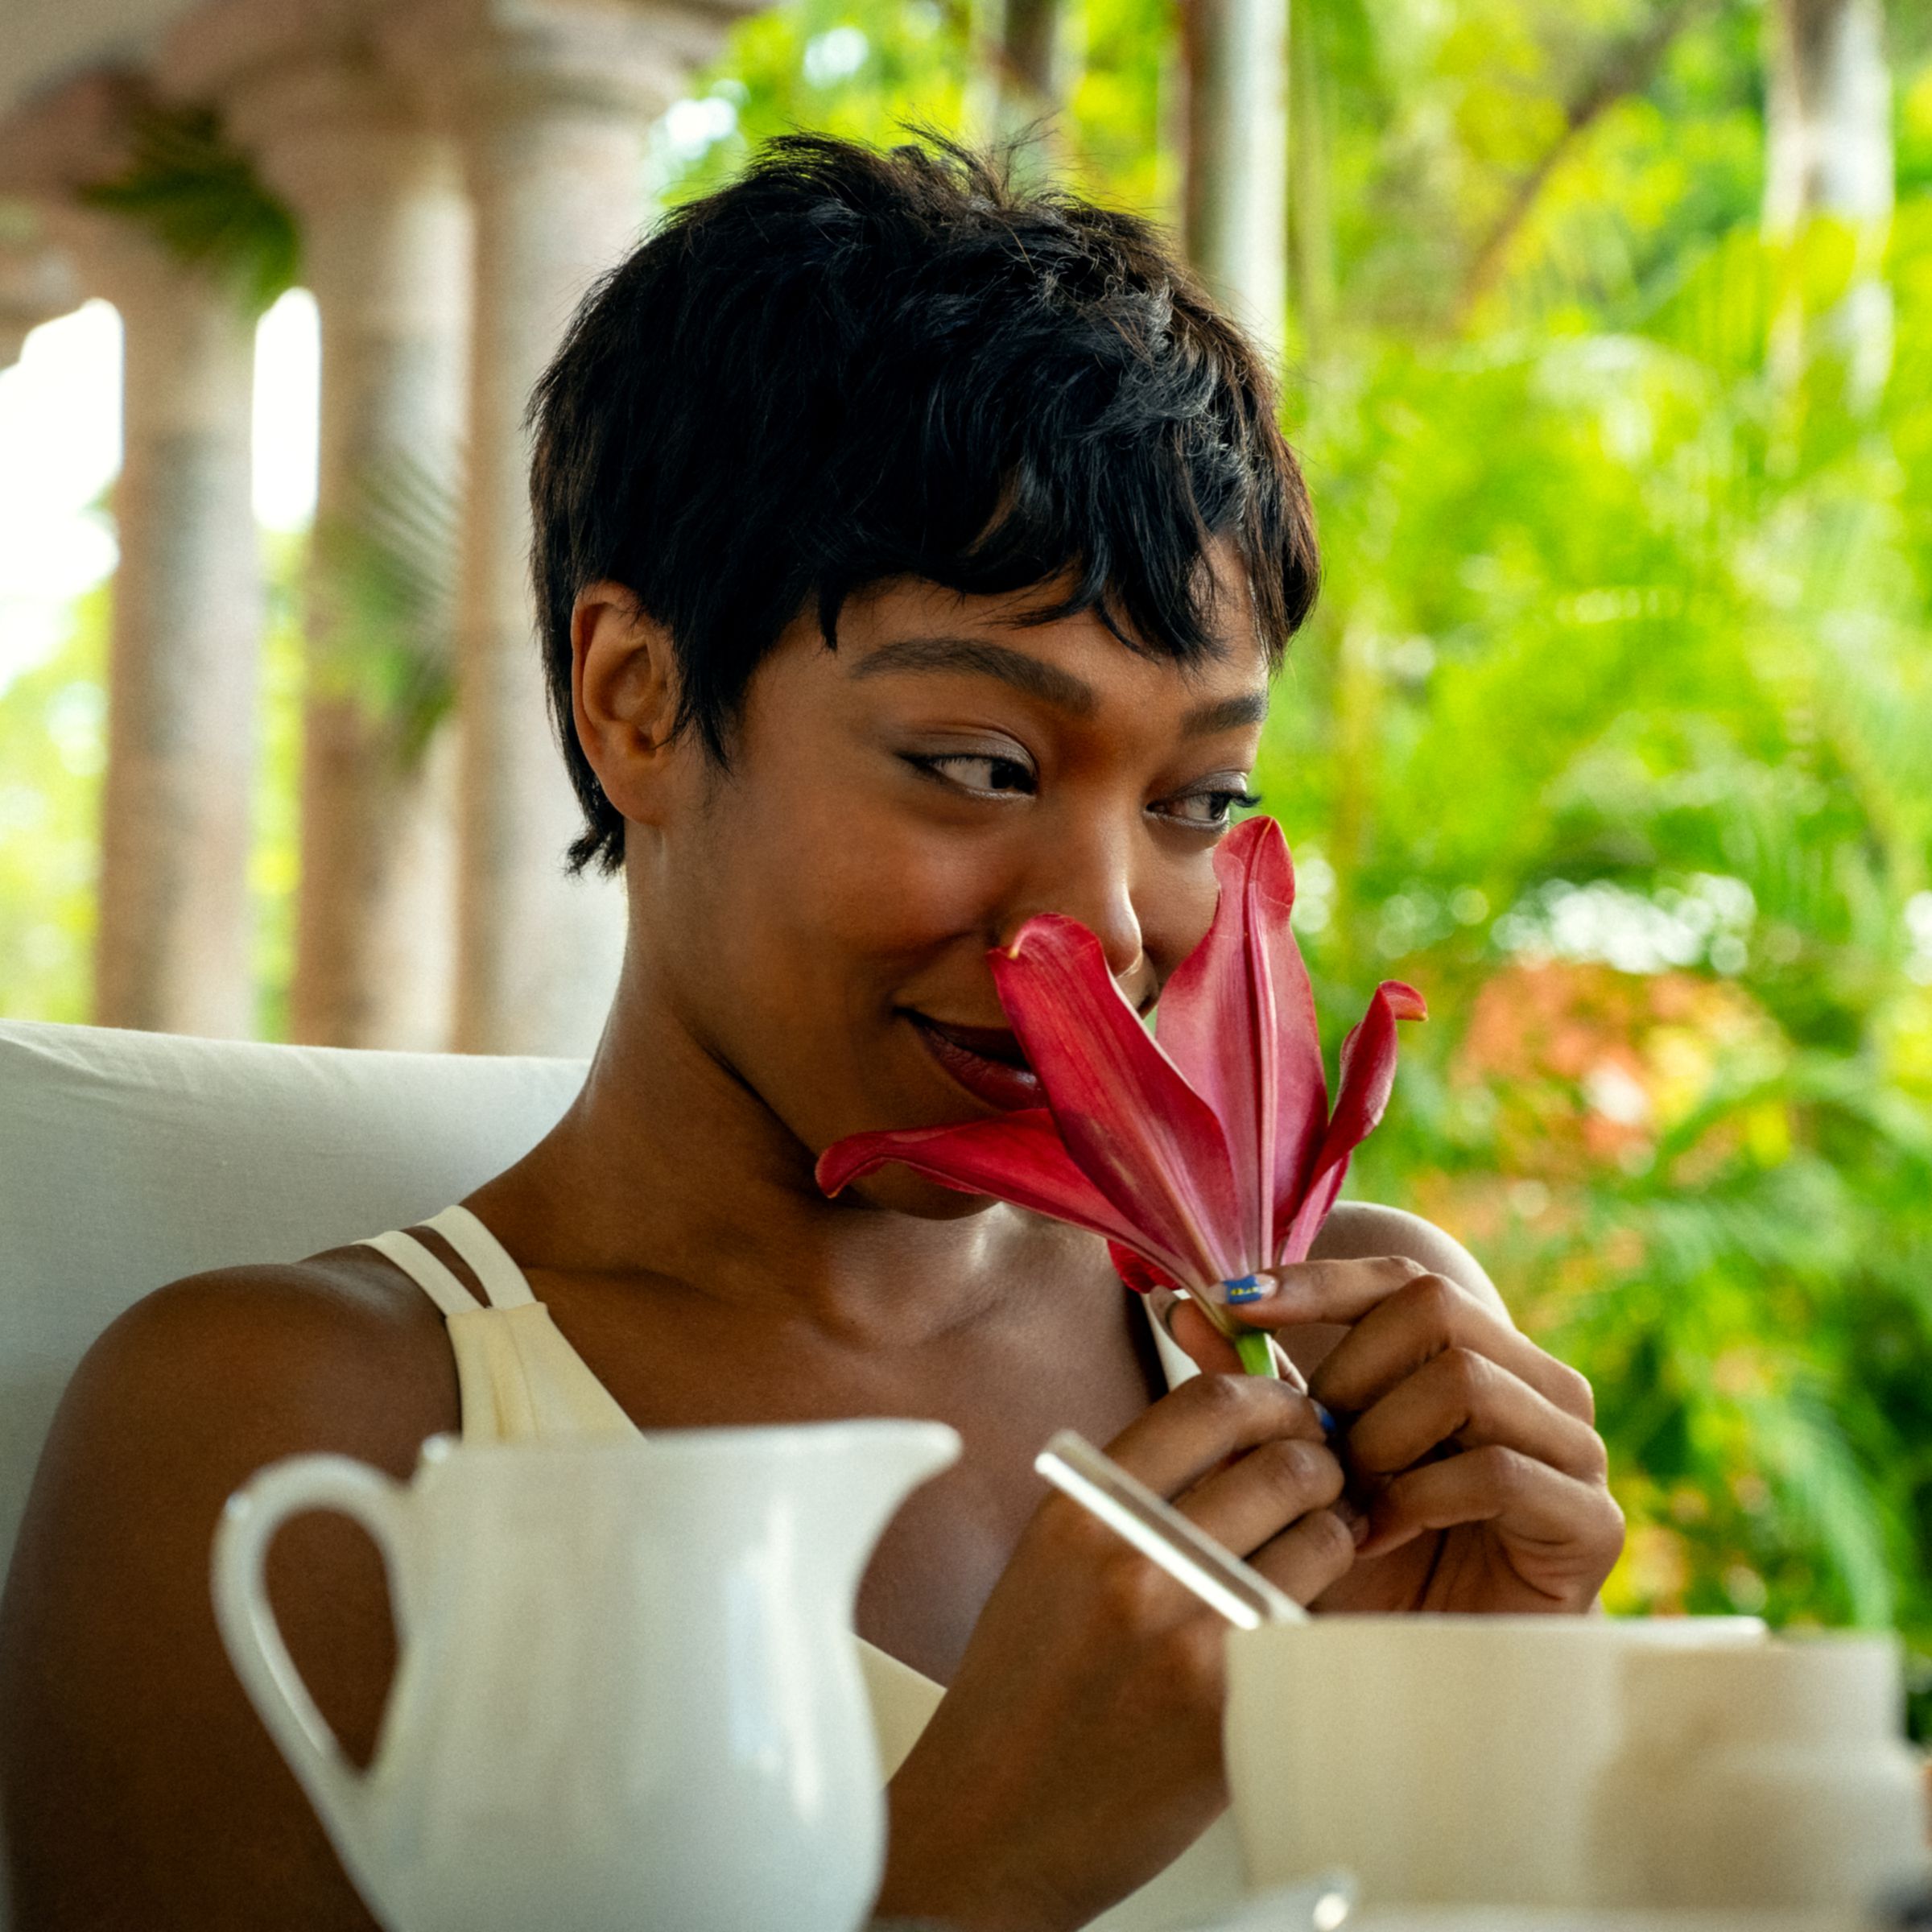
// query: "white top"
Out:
[522,1381]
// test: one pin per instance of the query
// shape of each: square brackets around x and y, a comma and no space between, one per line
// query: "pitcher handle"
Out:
[253,1640]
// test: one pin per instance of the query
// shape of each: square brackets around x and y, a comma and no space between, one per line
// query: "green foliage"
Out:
[879,70]
[53,746]
[275,851]
[203,201]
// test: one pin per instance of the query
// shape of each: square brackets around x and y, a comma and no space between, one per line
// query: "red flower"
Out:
[1203,1160]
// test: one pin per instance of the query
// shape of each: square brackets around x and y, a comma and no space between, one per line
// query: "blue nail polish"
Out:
[1331,1428]
[1245,1289]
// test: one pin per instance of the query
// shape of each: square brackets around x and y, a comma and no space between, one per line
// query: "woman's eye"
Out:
[976,771]
[1209,809]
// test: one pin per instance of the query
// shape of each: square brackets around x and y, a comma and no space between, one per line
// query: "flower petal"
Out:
[1368,1079]
[1145,1138]
[1018,1158]
[1136,1271]
[1238,1019]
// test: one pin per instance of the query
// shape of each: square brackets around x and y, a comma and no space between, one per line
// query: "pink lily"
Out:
[1206,1160]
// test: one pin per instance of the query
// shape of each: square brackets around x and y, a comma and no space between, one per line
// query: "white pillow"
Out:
[130,1159]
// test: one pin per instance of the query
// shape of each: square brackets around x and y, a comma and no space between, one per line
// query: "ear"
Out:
[624,694]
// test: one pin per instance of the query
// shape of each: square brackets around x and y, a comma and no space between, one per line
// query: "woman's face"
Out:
[820,913]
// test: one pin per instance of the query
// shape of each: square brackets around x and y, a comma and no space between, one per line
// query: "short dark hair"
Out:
[850,366]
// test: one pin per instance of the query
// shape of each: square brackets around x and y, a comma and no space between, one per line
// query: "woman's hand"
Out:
[1079,1749]
[1471,1449]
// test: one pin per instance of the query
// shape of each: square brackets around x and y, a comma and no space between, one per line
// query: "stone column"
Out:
[173,945]
[173,941]
[551,103]
[387,236]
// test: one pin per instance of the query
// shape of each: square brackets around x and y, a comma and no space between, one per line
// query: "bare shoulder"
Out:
[1359,1230]
[201,1383]
[137,1785]
[337,1351]
[195,1387]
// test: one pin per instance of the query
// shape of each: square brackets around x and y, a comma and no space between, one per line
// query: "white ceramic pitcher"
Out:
[627,1694]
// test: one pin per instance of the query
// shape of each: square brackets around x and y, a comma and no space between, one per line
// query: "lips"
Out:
[985,1060]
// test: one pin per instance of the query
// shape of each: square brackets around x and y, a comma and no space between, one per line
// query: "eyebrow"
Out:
[1046,682]
[1226,714]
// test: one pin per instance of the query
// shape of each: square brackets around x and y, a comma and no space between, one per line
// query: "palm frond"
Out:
[202,200]
[383,588]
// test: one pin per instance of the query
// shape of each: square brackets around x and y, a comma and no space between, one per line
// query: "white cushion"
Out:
[131,1159]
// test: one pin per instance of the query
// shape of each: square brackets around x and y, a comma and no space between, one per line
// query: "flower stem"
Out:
[1256,1357]
[1250,1344]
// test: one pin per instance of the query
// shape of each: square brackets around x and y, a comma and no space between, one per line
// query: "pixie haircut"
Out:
[852,366]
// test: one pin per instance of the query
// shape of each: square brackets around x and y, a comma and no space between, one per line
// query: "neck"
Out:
[668,1166]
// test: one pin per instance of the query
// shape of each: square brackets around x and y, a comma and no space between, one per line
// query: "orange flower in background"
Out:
[1589,1065]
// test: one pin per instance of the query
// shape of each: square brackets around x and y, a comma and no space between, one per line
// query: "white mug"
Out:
[1772,1777]
[1443,1760]
[628,1695]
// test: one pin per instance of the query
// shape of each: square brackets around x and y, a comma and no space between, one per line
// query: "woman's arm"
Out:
[140,1788]
[1363,1230]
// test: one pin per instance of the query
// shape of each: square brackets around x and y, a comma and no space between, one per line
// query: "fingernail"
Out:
[1288,1282]
[1356,1517]
[1331,1428]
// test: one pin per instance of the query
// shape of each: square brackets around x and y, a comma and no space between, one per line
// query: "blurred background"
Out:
[1606,334]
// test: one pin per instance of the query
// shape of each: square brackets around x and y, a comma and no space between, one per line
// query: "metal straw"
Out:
[1159,1530]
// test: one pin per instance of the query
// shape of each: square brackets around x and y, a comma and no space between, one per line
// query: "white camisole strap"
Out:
[504,1286]
[425,1270]
[503,1281]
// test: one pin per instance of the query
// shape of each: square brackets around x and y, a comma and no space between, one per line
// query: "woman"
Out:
[912,558]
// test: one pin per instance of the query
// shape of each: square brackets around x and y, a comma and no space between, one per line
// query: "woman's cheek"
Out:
[901,890]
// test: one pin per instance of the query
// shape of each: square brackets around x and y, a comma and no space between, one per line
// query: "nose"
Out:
[1092,880]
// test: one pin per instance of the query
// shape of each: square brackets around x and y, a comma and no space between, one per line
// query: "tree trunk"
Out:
[1625,70]
[1829,153]
[1030,46]
[1028,60]
[1235,216]
[1311,212]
